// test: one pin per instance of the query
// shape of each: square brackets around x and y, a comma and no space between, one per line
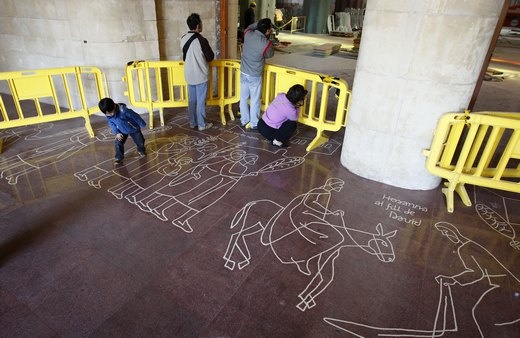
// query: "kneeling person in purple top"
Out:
[278,123]
[123,121]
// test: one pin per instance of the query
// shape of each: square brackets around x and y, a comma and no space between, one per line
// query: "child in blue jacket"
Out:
[123,121]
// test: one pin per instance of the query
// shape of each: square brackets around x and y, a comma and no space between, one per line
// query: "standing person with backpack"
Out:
[197,54]
[257,48]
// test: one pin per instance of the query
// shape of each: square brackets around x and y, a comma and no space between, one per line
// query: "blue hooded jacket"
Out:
[125,121]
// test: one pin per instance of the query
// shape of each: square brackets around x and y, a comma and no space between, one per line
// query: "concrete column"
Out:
[417,61]
[317,13]
[231,29]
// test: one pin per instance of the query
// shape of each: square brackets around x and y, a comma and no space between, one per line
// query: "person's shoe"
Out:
[280,144]
[277,143]
[141,155]
[118,161]
[207,126]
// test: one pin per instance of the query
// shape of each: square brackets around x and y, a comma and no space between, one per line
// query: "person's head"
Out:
[265,25]
[107,106]
[296,95]
[252,5]
[194,22]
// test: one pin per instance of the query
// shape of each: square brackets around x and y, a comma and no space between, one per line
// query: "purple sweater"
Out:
[279,111]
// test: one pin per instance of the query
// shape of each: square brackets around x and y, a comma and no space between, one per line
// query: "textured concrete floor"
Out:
[218,234]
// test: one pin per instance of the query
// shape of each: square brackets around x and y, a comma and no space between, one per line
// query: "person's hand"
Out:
[119,137]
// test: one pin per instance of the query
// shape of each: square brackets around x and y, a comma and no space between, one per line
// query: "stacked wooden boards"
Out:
[326,49]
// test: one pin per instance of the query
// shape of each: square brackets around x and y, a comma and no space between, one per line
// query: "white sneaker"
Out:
[207,126]
[277,143]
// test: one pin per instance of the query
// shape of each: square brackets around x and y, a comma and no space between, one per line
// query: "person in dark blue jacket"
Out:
[123,121]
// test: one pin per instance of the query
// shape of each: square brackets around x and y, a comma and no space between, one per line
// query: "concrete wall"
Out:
[106,34]
[171,24]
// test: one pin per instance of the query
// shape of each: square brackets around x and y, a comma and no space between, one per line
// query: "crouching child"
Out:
[124,122]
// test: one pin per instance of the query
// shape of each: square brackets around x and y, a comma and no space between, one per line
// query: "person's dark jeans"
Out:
[282,134]
[138,140]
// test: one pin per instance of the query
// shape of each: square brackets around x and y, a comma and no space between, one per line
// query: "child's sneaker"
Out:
[141,155]
[118,161]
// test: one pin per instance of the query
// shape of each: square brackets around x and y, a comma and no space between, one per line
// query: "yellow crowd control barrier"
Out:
[481,149]
[316,112]
[64,92]
[155,85]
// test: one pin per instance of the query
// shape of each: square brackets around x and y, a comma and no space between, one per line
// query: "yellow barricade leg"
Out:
[460,189]
[222,115]
[448,192]
[230,112]
[320,139]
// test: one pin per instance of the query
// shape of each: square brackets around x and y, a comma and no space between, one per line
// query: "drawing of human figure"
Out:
[152,173]
[481,266]
[160,150]
[211,182]
[492,310]
[178,163]
[306,219]
[48,154]
[192,164]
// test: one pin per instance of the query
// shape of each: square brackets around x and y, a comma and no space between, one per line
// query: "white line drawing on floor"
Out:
[491,215]
[165,147]
[481,266]
[10,136]
[307,223]
[210,180]
[142,192]
[48,154]
[207,183]
[183,177]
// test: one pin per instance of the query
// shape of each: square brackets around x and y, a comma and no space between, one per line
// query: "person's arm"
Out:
[268,50]
[113,127]
[136,117]
[206,49]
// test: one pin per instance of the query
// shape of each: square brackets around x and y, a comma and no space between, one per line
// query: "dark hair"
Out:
[264,24]
[106,104]
[193,20]
[296,93]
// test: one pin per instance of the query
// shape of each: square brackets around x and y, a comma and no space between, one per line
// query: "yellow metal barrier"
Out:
[482,149]
[316,112]
[160,84]
[65,87]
